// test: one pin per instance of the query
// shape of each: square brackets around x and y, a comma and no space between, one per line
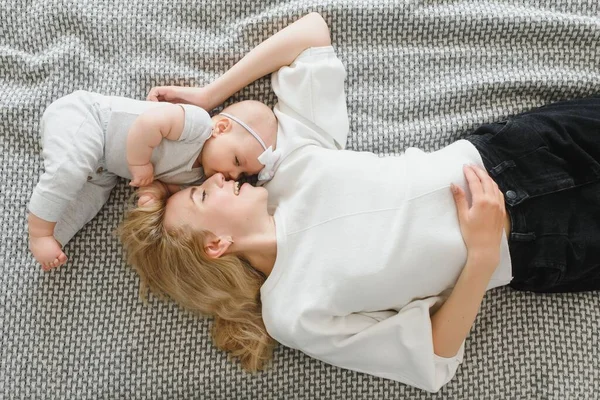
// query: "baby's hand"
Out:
[142,175]
[47,251]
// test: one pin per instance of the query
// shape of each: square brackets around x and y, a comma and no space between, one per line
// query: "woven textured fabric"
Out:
[420,73]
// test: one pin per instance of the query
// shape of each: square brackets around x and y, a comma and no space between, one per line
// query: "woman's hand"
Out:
[482,227]
[198,96]
[482,224]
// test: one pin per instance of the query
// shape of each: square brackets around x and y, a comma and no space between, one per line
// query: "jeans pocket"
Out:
[515,139]
[540,277]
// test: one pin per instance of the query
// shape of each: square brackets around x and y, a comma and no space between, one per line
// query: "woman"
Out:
[372,264]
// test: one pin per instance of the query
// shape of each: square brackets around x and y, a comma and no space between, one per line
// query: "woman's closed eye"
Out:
[237,162]
[203,195]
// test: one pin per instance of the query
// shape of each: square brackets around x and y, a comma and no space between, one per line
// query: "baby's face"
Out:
[233,154]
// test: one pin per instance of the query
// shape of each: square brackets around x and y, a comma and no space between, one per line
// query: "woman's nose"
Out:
[218,179]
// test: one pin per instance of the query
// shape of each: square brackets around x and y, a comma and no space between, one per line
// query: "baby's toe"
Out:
[62,258]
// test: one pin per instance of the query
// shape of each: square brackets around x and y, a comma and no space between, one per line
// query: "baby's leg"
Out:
[72,144]
[47,238]
[88,203]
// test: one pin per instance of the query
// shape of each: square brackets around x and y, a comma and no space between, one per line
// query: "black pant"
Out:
[547,164]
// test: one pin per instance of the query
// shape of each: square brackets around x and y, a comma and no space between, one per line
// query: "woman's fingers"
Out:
[482,187]
[492,195]
[462,207]
[482,222]
[501,198]
[473,181]
[156,93]
[490,187]
[487,183]
[152,95]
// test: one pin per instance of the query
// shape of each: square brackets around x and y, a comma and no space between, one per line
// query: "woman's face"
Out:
[219,206]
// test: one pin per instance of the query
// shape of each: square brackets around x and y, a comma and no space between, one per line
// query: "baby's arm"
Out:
[146,132]
[279,50]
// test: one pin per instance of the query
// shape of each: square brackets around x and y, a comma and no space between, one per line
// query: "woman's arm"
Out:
[280,49]
[482,227]
[452,322]
[277,51]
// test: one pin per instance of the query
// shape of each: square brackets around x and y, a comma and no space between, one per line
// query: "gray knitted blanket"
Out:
[420,73]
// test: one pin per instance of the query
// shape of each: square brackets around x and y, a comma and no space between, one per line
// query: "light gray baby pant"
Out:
[75,184]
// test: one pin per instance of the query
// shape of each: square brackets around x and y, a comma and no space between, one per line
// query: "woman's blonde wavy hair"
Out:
[173,264]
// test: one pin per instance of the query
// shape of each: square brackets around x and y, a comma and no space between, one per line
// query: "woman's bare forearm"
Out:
[453,320]
[275,52]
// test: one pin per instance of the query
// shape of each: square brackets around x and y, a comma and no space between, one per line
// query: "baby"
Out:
[89,140]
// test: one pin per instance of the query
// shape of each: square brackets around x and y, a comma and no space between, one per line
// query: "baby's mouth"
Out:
[236,188]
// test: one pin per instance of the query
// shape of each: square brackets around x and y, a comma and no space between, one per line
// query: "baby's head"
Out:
[232,148]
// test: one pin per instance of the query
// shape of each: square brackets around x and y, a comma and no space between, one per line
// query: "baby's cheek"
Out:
[255,168]
[209,161]
[209,168]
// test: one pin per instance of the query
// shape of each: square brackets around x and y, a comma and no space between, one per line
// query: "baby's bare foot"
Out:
[47,251]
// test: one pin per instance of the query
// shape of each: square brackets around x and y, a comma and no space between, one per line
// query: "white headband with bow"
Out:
[268,158]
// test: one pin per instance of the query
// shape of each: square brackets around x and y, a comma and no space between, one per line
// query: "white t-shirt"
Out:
[311,107]
[367,247]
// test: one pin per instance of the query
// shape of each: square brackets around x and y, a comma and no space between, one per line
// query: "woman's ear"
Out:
[215,246]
